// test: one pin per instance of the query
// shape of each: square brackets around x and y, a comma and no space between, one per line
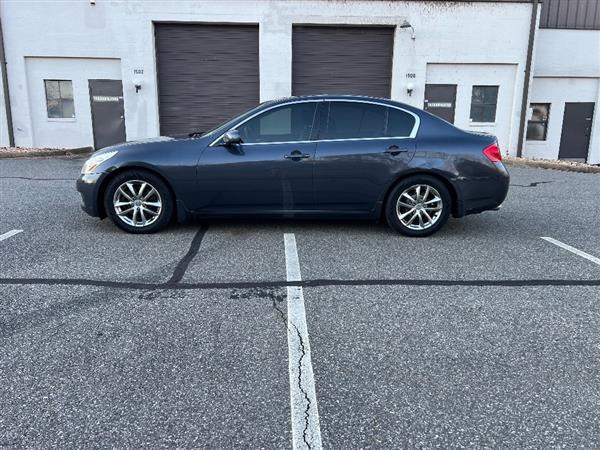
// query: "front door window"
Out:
[290,123]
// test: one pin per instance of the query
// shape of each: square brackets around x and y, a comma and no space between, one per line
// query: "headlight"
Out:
[91,164]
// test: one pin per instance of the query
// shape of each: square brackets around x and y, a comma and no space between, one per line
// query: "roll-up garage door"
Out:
[206,74]
[342,60]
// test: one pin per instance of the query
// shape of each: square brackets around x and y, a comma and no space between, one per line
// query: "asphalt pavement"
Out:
[483,335]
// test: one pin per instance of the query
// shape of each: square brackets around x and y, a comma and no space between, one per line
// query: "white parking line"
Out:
[572,250]
[306,430]
[9,234]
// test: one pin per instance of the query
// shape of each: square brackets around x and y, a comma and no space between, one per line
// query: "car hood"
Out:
[147,140]
[124,146]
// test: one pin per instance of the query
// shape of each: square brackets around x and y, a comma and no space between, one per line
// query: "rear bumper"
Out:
[484,193]
[88,187]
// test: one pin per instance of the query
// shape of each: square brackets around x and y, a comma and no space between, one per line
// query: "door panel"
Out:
[440,100]
[256,177]
[108,115]
[361,147]
[576,131]
[270,171]
[351,175]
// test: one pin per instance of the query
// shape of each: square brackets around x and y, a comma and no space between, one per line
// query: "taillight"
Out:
[493,153]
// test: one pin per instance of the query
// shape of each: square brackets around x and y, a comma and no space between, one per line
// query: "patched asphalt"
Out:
[138,351]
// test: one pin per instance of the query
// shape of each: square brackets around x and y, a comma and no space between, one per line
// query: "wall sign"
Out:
[106,98]
[138,71]
[439,105]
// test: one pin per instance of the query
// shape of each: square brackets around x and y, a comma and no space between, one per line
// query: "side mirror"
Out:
[232,137]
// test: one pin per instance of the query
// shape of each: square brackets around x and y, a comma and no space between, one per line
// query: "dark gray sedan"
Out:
[318,156]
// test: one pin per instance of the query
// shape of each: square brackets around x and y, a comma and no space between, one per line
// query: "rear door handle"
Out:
[395,150]
[297,155]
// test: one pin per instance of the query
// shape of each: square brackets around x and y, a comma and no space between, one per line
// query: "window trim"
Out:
[478,122]
[72,118]
[61,119]
[544,122]
[412,135]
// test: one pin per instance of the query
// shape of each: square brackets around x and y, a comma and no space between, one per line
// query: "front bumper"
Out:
[88,186]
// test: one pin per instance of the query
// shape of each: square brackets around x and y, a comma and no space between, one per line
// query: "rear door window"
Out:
[399,123]
[350,120]
[356,120]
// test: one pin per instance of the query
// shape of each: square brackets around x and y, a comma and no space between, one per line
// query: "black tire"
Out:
[165,214]
[393,218]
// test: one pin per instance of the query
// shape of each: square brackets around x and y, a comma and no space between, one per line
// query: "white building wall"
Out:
[446,33]
[573,53]
[4,140]
[567,69]
[465,76]
[557,91]
[77,131]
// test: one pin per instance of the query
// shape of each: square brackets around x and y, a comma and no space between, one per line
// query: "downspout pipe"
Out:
[528,63]
[9,120]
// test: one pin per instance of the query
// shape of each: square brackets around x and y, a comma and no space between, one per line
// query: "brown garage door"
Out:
[342,60]
[206,74]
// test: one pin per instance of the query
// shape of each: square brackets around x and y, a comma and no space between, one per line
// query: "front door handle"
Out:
[297,155]
[395,150]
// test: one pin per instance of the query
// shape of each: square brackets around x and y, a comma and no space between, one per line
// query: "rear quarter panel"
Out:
[457,156]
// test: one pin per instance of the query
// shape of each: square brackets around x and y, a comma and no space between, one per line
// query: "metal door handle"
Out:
[395,150]
[297,155]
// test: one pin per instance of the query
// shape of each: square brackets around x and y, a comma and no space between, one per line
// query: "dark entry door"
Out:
[576,131]
[108,115]
[440,99]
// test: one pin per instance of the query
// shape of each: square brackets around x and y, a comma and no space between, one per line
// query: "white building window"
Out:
[537,125]
[484,100]
[59,99]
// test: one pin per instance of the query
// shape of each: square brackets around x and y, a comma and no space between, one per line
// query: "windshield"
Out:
[220,129]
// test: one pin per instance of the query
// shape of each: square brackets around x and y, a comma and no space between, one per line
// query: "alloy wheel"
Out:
[419,207]
[137,203]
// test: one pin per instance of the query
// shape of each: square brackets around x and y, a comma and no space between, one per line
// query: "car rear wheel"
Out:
[138,202]
[418,206]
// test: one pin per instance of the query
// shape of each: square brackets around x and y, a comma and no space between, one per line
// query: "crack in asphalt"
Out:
[304,283]
[301,387]
[276,301]
[302,356]
[532,184]
[182,266]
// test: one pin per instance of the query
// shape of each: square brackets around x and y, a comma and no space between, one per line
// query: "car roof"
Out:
[358,98]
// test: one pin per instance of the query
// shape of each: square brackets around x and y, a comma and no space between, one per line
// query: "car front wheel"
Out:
[418,206]
[138,202]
